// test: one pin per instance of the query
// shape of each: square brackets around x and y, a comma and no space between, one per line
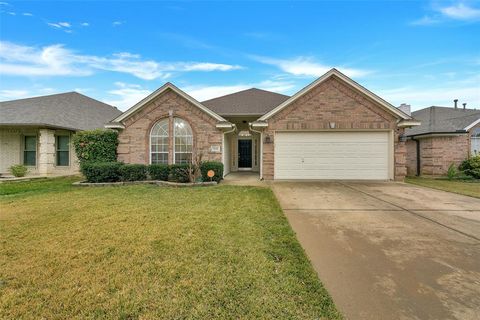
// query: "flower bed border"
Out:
[157,182]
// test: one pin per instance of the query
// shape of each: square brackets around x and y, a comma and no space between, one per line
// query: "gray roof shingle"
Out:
[442,120]
[247,102]
[70,110]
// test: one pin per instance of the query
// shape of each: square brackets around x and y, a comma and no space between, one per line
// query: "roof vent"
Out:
[405,108]
[455,103]
[464,105]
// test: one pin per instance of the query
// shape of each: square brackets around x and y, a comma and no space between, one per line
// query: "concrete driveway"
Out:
[389,250]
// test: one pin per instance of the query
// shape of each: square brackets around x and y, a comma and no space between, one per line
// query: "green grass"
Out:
[146,252]
[468,188]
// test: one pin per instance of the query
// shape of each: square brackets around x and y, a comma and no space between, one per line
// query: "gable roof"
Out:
[156,93]
[334,72]
[255,102]
[70,110]
[444,120]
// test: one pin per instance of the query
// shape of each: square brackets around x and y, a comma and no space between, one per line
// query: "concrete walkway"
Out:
[389,250]
[245,178]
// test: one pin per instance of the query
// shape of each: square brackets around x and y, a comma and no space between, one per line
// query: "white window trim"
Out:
[175,145]
[68,150]
[150,140]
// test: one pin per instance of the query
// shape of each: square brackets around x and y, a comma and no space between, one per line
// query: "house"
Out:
[332,129]
[447,135]
[37,131]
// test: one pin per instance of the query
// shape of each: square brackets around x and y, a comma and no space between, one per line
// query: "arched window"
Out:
[183,141]
[475,142]
[159,142]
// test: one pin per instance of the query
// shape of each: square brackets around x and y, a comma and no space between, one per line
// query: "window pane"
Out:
[62,158]
[30,158]
[183,157]
[30,143]
[63,142]
[160,158]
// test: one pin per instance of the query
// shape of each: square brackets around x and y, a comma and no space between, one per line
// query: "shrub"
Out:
[133,172]
[18,170]
[180,172]
[159,171]
[471,167]
[96,145]
[101,171]
[216,166]
[452,171]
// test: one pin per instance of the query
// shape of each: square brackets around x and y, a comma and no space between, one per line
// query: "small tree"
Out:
[192,170]
[96,145]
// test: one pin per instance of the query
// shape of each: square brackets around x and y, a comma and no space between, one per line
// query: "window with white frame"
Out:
[159,142]
[183,141]
[475,142]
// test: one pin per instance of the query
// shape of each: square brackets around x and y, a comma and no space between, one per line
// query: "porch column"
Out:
[46,151]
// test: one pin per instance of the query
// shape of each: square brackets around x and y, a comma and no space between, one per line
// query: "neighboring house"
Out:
[37,131]
[332,129]
[446,136]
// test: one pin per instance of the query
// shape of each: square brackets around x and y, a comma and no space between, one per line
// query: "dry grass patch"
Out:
[144,252]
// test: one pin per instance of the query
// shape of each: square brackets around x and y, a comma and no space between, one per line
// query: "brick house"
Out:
[37,132]
[446,135]
[332,129]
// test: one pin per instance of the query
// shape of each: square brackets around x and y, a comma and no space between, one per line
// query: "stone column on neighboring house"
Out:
[46,151]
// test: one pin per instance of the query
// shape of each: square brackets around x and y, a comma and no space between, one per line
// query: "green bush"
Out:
[96,145]
[133,172]
[452,171]
[471,167]
[101,171]
[179,172]
[18,170]
[159,171]
[216,166]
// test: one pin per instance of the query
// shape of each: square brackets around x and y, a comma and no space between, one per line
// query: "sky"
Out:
[421,53]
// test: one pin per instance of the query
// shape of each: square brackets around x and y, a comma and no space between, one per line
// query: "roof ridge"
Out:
[44,96]
[249,89]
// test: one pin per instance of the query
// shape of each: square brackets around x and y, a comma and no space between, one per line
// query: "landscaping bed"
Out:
[143,252]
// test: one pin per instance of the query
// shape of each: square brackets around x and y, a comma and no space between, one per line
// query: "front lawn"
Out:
[149,252]
[468,188]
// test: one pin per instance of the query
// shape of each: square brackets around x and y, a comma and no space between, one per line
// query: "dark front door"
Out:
[244,153]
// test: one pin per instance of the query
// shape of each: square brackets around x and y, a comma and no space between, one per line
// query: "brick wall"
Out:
[438,153]
[411,157]
[134,139]
[333,101]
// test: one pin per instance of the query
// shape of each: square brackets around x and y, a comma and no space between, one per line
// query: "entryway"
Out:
[244,154]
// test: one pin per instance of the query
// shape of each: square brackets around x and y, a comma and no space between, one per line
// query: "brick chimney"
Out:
[405,108]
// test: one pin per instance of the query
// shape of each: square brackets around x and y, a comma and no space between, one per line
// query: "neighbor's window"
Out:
[183,141]
[475,142]
[30,151]
[159,142]
[63,154]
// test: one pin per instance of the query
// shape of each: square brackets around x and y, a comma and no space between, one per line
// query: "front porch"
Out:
[242,148]
[244,178]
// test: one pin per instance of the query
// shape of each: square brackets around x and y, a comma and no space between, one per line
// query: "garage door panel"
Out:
[332,155]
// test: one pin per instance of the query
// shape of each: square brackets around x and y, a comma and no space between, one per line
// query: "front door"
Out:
[244,153]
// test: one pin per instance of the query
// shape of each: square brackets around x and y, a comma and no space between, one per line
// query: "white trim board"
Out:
[470,126]
[334,72]
[158,92]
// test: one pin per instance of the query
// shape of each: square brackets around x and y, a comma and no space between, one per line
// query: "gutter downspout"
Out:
[261,149]
[417,144]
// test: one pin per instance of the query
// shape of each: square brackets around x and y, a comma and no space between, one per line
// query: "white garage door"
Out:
[332,155]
